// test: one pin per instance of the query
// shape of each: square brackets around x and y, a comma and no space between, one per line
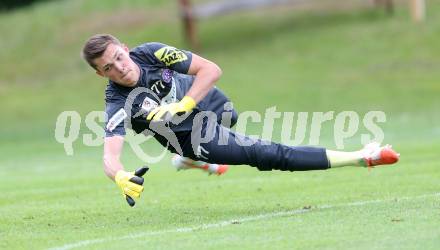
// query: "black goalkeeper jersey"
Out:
[163,79]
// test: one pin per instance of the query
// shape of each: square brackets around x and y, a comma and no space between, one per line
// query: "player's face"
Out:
[116,64]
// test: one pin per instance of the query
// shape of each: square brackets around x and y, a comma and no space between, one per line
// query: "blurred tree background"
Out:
[12,4]
[317,56]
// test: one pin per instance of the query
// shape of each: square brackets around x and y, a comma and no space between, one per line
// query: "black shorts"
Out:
[214,143]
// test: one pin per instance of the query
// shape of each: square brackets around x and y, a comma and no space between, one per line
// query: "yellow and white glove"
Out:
[168,111]
[131,183]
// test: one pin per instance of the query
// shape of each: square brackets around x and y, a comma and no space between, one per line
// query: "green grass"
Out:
[310,60]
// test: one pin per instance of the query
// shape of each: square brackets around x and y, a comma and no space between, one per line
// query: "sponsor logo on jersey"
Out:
[170,55]
[116,119]
[149,104]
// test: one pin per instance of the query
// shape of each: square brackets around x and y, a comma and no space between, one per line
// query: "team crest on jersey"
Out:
[170,55]
[167,75]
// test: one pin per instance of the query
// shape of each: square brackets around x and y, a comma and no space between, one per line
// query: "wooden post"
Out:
[388,5]
[418,10]
[189,24]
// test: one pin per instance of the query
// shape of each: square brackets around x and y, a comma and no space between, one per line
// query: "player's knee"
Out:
[269,158]
[285,158]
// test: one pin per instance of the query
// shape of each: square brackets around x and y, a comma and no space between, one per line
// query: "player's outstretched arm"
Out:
[206,74]
[129,182]
[112,152]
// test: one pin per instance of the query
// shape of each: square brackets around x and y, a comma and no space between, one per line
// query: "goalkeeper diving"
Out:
[173,84]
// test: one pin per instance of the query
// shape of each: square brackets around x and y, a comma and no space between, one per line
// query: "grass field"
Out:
[309,60]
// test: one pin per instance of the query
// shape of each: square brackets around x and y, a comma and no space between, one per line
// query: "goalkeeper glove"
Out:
[168,111]
[131,183]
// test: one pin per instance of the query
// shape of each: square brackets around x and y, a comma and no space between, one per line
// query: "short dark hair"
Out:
[96,45]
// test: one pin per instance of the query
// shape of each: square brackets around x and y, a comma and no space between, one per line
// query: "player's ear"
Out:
[126,49]
[99,73]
